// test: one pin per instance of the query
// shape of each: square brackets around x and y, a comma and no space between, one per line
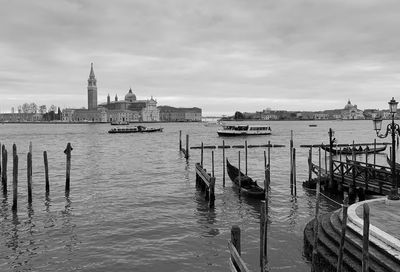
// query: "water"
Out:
[133,205]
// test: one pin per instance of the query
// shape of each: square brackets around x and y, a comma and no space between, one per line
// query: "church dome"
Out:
[348,106]
[130,96]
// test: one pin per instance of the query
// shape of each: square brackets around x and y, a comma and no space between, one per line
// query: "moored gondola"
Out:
[357,150]
[249,187]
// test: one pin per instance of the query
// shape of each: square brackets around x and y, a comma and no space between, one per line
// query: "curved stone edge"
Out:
[377,236]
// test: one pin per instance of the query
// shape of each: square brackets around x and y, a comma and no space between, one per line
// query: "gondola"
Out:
[249,187]
[357,150]
[389,161]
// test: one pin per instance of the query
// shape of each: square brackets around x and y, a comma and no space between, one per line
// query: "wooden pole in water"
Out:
[326,163]
[212,192]
[212,163]
[374,152]
[263,236]
[291,162]
[15,179]
[201,156]
[365,255]
[30,151]
[310,164]
[187,146]
[235,238]
[353,152]
[240,181]
[339,266]
[316,224]
[245,157]
[46,172]
[4,170]
[29,176]
[267,177]
[366,157]
[294,171]
[1,155]
[67,151]
[223,163]
[269,153]
[180,140]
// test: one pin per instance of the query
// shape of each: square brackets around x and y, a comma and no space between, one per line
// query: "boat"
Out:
[146,129]
[312,125]
[389,161]
[248,186]
[357,150]
[244,130]
[119,123]
[137,129]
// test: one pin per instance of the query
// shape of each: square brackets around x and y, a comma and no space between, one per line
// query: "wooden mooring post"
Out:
[245,157]
[291,162]
[4,169]
[264,236]
[223,163]
[180,140]
[207,182]
[239,177]
[316,223]
[339,267]
[310,164]
[15,179]
[294,172]
[235,261]
[202,154]
[212,163]
[187,147]
[46,173]
[29,176]
[365,254]
[67,151]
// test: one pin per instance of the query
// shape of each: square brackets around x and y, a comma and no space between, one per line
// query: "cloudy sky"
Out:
[219,55]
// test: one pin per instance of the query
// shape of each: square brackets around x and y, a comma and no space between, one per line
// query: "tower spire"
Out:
[92,90]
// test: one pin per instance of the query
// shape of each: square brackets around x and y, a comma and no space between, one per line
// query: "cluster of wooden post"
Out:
[206,183]
[185,151]
[236,262]
[3,170]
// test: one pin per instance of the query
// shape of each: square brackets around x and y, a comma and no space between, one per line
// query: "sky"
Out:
[220,55]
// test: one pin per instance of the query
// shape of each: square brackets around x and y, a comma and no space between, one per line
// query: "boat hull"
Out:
[350,151]
[249,187]
[240,133]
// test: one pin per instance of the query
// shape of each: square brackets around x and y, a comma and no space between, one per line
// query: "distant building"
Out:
[321,116]
[172,114]
[129,109]
[351,112]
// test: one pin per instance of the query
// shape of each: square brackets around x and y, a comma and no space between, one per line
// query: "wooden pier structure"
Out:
[206,183]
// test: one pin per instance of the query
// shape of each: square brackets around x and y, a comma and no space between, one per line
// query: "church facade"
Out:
[130,109]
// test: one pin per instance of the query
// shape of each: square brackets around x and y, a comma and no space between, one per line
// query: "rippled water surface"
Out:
[133,205]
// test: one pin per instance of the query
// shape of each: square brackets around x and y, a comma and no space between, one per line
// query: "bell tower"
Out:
[92,90]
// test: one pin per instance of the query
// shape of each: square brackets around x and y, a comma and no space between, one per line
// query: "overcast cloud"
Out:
[219,55]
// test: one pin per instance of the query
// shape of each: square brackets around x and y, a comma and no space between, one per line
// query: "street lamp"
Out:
[393,128]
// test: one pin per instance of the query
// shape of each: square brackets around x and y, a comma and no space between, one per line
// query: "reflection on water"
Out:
[133,205]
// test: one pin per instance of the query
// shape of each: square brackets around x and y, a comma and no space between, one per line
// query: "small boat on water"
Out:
[244,130]
[136,129]
[348,150]
[312,125]
[249,187]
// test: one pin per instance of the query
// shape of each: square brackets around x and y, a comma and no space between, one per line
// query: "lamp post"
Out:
[391,128]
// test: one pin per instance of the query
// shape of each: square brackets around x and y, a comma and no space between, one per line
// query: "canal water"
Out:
[133,204]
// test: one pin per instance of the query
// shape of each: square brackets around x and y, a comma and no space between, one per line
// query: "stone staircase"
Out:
[329,233]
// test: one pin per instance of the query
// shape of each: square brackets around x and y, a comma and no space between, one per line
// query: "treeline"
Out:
[50,114]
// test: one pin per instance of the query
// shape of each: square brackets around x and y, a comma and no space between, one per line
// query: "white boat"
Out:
[244,130]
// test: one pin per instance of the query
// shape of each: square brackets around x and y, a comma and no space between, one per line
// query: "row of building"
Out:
[128,109]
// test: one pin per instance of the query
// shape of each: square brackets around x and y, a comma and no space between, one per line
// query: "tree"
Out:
[25,108]
[52,108]
[43,109]
[239,115]
[33,108]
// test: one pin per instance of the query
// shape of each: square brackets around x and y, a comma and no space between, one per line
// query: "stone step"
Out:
[377,254]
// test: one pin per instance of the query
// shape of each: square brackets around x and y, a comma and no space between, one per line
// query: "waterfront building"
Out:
[321,116]
[351,112]
[172,114]
[130,109]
